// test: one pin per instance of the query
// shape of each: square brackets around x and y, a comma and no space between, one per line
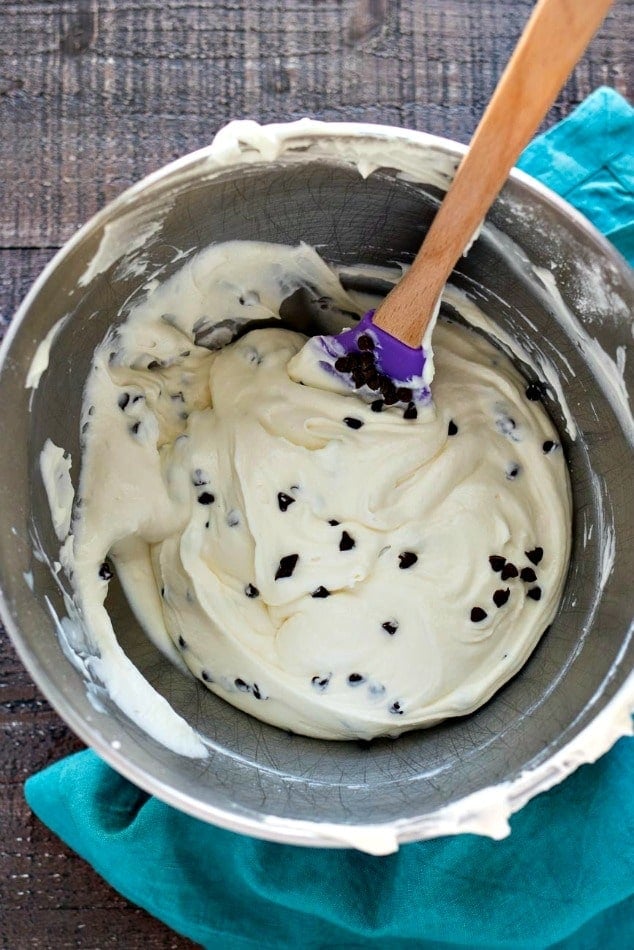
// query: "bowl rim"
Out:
[497,802]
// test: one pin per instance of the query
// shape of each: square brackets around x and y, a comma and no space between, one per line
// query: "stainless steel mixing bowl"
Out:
[464,774]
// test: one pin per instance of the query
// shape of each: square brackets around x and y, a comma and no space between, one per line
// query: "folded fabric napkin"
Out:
[588,159]
[563,879]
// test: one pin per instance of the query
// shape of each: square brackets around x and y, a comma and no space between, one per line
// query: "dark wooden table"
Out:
[96,93]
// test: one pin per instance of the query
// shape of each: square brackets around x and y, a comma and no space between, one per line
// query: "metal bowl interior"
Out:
[257,778]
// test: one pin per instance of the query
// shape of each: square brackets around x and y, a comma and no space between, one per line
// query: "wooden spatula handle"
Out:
[553,40]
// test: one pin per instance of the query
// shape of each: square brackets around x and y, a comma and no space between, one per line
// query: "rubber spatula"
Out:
[384,355]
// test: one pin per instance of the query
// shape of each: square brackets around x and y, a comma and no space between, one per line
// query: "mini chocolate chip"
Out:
[255,689]
[535,555]
[478,614]
[286,566]
[181,643]
[135,428]
[105,571]
[123,400]
[255,358]
[355,679]
[396,709]
[153,364]
[343,364]
[333,523]
[207,523]
[390,626]
[509,570]
[353,423]
[251,591]
[321,682]
[138,398]
[512,471]
[321,592]
[407,559]
[535,593]
[500,597]
[497,562]
[452,428]
[358,378]
[390,397]
[233,518]
[162,592]
[372,380]
[205,677]
[366,361]
[346,543]
[528,575]
[548,446]
[206,498]
[404,394]
[411,412]
[364,342]
[534,391]
[199,478]
[244,687]
[284,501]
[377,405]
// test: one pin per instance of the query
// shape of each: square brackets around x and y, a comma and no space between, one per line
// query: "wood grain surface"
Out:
[96,93]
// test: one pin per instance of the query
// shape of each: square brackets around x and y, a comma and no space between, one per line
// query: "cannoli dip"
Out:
[334,567]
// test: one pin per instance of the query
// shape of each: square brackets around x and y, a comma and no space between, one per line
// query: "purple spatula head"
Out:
[376,364]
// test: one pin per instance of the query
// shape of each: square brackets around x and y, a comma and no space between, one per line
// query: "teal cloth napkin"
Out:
[564,879]
[589,160]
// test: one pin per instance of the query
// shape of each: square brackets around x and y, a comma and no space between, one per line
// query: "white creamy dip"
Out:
[330,569]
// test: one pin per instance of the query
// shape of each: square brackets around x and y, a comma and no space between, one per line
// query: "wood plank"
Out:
[94,96]
[18,269]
